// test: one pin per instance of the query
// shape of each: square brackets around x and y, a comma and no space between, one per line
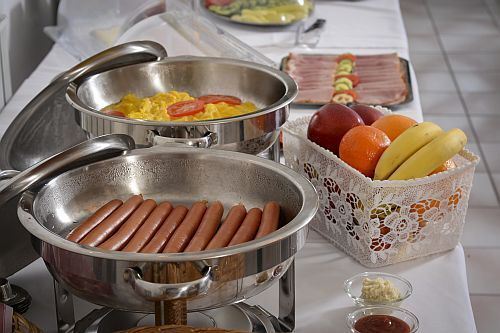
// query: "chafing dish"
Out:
[270,89]
[206,279]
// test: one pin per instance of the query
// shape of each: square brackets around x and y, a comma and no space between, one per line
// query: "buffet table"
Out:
[440,298]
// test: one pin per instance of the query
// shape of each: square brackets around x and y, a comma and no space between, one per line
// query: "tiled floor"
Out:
[455,49]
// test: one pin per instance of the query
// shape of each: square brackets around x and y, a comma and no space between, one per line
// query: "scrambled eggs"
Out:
[155,107]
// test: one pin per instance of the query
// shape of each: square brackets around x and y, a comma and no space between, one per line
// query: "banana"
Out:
[404,146]
[432,155]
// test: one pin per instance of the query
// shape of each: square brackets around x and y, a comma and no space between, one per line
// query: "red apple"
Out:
[329,124]
[367,113]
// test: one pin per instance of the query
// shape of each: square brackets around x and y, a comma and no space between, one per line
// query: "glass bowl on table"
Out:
[383,319]
[380,289]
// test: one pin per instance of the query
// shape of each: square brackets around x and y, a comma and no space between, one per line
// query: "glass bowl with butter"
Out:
[375,288]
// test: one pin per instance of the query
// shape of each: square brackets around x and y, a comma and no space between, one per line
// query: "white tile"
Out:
[496,178]
[428,62]
[470,44]
[435,82]
[478,81]
[487,128]
[473,147]
[452,2]
[477,27]
[423,44]
[449,122]
[492,153]
[417,25]
[419,2]
[494,7]
[486,103]
[460,10]
[483,270]
[475,61]
[482,193]
[414,8]
[441,103]
[482,228]
[485,310]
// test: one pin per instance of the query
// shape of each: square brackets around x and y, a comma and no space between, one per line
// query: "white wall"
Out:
[23,38]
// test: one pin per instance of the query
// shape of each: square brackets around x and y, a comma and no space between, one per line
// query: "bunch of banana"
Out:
[418,151]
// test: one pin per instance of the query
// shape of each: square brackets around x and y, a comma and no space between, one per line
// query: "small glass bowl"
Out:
[400,313]
[353,285]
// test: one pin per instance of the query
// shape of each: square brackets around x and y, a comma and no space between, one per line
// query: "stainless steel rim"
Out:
[290,94]
[309,207]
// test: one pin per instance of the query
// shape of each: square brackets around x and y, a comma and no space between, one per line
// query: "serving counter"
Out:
[440,298]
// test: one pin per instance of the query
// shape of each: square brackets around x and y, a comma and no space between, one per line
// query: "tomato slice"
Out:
[349,56]
[115,113]
[354,78]
[348,92]
[214,99]
[186,108]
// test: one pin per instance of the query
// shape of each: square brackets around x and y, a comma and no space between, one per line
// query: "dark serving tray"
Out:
[405,64]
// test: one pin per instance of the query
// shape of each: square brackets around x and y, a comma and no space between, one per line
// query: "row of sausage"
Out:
[139,225]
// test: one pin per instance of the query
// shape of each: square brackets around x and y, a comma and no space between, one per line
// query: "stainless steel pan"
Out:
[207,279]
[270,89]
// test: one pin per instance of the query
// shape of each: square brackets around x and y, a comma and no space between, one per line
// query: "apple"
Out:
[329,124]
[367,113]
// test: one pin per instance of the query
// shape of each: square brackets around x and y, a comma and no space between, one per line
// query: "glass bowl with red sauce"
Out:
[382,319]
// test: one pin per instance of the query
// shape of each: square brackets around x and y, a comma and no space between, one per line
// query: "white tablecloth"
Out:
[361,27]
[440,299]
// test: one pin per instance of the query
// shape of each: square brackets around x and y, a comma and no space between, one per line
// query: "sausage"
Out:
[128,229]
[270,219]
[248,228]
[149,228]
[207,229]
[107,227]
[181,237]
[166,230]
[92,221]
[228,228]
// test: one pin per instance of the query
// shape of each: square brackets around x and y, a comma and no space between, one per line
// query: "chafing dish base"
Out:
[241,317]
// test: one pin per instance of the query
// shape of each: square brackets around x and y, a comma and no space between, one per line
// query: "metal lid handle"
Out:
[117,56]
[99,148]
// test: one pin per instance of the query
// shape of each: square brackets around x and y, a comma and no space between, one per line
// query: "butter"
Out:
[379,291]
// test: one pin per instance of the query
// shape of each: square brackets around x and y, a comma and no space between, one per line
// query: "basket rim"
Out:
[471,160]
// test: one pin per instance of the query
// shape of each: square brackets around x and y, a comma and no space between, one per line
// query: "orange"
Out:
[443,167]
[361,148]
[393,125]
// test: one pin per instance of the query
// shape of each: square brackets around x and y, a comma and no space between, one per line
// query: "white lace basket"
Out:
[381,222]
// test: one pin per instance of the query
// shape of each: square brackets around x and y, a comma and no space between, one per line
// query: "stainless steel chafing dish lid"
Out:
[102,147]
[49,112]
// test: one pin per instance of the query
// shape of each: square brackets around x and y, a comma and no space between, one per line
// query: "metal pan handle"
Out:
[204,142]
[168,291]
